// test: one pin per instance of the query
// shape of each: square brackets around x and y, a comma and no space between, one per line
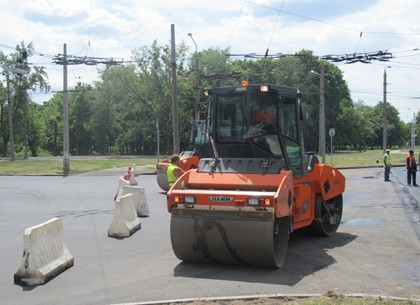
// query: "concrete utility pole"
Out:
[413,130]
[321,143]
[322,115]
[175,124]
[197,81]
[384,133]
[66,150]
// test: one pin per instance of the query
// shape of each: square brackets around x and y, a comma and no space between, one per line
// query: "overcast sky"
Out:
[112,28]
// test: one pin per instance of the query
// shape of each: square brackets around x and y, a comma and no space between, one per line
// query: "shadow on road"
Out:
[307,254]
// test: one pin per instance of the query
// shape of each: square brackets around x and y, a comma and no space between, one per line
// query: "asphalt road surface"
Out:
[376,250]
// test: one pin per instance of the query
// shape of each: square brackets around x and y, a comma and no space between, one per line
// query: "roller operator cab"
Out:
[241,205]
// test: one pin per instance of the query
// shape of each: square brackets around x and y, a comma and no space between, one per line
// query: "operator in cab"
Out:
[174,171]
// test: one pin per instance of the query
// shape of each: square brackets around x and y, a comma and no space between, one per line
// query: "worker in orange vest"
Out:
[411,167]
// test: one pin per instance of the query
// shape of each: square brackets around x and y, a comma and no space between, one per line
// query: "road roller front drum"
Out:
[229,238]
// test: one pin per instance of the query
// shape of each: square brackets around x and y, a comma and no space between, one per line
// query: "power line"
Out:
[346,58]
[61,59]
[275,25]
[330,23]
[359,57]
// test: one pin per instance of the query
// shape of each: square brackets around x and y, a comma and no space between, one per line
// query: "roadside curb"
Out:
[332,294]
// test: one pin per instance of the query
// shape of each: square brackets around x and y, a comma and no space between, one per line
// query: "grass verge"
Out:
[54,166]
[78,165]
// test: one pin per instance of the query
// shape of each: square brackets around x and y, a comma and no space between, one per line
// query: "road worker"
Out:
[174,171]
[387,164]
[411,167]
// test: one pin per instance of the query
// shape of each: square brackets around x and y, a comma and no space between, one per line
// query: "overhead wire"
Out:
[236,23]
[332,24]
[275,26]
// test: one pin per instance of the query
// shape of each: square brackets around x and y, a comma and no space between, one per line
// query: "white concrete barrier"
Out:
[121,183]
[44,254]
[140,201]
[125,221]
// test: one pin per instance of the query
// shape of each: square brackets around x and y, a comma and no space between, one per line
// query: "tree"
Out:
[35,79]
[153,66]
[80,112]
[119,112]
[36,130]
[51,113]
[356,127]
[395,129]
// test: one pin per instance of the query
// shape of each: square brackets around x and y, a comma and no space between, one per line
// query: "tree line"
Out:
[121,112]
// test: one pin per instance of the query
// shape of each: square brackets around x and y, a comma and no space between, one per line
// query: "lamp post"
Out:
[197,80]
[384,133]
[321,113]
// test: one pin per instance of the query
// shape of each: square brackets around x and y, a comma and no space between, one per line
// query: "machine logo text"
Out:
[221,198]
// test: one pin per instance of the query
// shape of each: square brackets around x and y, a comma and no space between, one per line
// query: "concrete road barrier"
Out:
[140,201]
[44,254]
[125,221]
[121,184]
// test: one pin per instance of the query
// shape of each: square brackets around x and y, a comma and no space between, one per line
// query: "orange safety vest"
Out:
[410,162]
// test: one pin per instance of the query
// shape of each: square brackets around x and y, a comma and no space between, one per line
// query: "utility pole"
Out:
[413,130]
[197,81]
[322,115]
[384,133]
[66,150]
[174,93]
[321,131]
[65,60]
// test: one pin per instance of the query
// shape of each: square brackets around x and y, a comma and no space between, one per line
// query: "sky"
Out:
[113,28]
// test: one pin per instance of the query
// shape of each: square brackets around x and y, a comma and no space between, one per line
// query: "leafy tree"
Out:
[51,114]
[80,112]
[35,79]
[119,112]
[395,134]
[36,130]
[153,66]
[102,124]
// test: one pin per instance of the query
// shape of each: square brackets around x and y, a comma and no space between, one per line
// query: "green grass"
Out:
[78,165]
[54,166]
[364,158]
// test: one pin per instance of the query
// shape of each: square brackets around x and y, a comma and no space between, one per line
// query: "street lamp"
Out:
[384,133]
[321,113]
[197,80]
